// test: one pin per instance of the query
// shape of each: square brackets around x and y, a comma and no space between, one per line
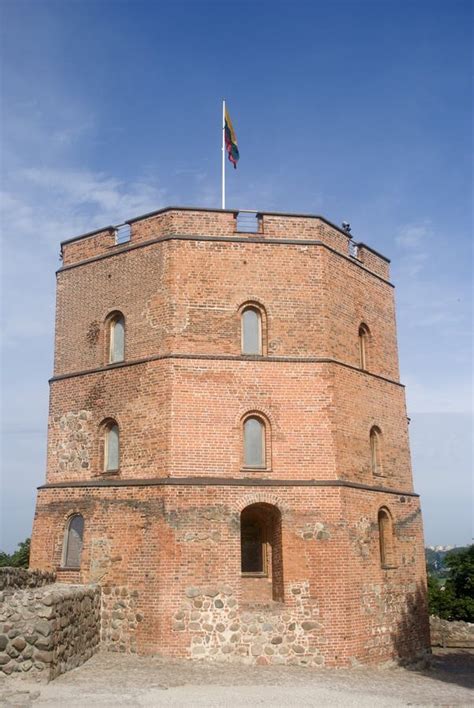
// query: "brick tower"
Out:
[228,451]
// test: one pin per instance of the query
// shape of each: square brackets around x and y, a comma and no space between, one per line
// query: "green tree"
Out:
[19,559]
[454,601]
[440,600]
[460,582]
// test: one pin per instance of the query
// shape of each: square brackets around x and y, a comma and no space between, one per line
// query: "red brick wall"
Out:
[353,297]
[169,556]
[357,408]
[138,398]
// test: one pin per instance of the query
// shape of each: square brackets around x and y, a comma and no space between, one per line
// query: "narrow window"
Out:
[376,450]
[73,542]
[112,448]
[385,538]
[116,338]
[363,345]
[254,442]
[251,331]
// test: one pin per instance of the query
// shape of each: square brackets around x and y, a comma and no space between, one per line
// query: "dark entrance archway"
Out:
[261,553]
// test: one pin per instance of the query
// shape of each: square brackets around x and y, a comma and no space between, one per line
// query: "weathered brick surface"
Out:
[162,535]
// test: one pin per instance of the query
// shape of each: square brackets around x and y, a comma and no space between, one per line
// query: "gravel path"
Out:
[117,680]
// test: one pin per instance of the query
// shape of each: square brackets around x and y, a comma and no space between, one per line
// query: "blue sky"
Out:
[359,111]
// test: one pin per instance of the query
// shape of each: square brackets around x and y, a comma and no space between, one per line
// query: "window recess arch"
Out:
[73,542]
[115,337]
[376,451]
[364,340]
[253,329]
[386,538]
[110,446]
[256,441]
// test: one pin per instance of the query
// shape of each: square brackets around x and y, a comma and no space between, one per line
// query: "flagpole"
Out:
[223,154]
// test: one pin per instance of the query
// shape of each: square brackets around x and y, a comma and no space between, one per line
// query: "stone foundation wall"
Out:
[274,634]
[451,634]
[48,630]
[120,619]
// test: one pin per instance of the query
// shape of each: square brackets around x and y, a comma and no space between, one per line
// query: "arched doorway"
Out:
[261,553]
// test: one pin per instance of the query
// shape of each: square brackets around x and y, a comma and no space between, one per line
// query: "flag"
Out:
[231,141]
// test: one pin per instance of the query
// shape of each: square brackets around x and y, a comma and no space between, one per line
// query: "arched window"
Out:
[251,323]
[364,334]
[261,552]
[111,446]
[116,337]
[254,442]
[385,524]
[73,542]
[376,450]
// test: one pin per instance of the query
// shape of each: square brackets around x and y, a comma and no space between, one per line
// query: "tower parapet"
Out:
[179,222]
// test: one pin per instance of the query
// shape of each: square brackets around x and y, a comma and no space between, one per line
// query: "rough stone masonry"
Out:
[228,453]
[46,628]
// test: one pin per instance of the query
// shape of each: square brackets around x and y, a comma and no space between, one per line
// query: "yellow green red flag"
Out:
[231,140]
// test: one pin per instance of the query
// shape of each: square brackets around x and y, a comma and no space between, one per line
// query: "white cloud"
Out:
[67,199]
[446,397]
[413,236]
[106,197]
[413,241]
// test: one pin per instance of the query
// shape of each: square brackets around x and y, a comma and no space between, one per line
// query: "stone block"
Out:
[308,625]
[19,643]
[43,627]
[31,638]
[44,656]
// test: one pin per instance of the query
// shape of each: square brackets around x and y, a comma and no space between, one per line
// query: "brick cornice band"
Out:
[223,482]
[262,240]
[224,357]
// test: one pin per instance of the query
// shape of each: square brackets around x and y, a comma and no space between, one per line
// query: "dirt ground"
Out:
[118,680]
